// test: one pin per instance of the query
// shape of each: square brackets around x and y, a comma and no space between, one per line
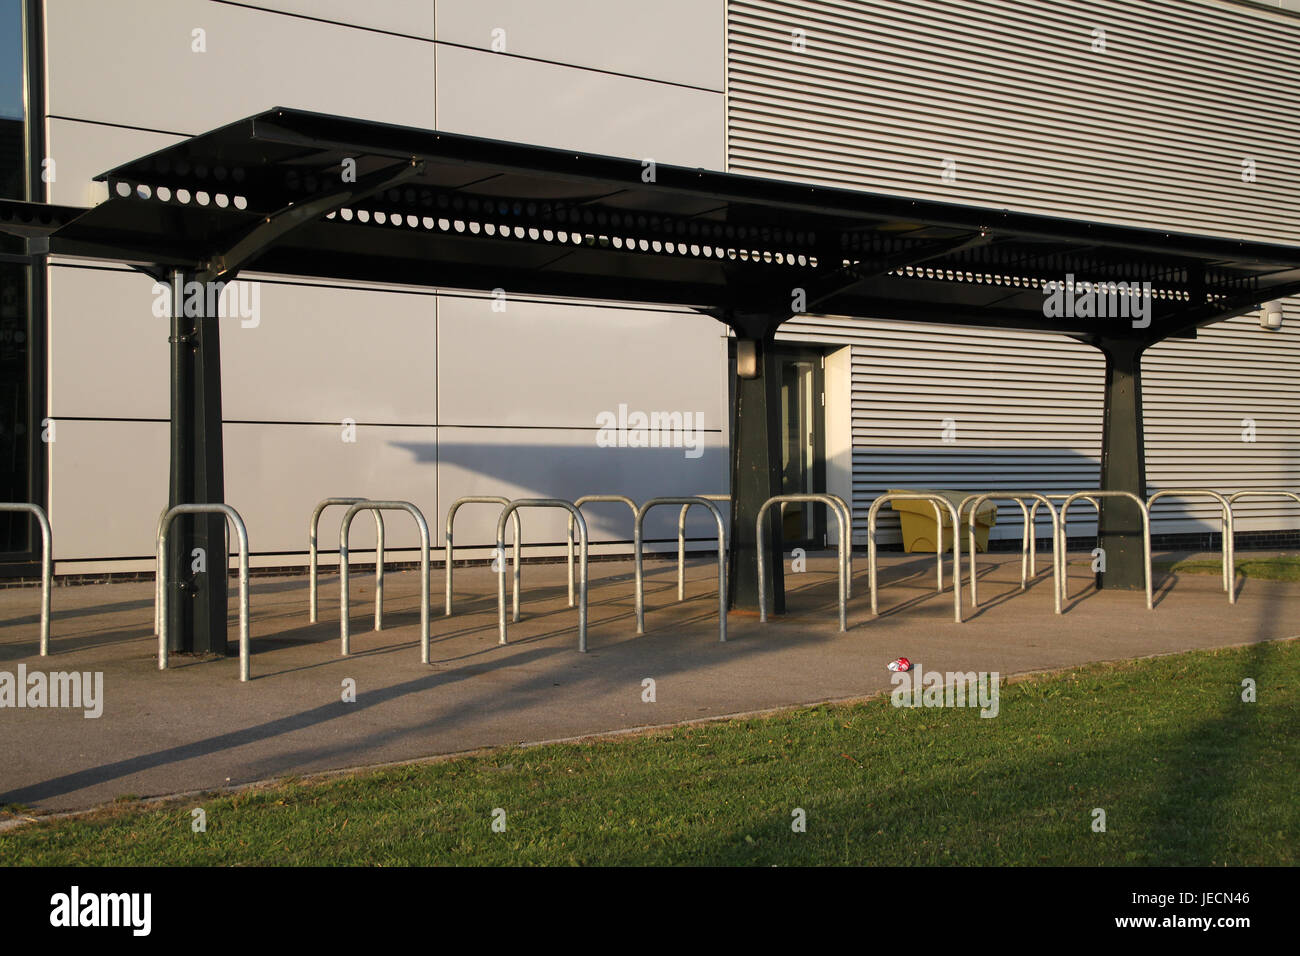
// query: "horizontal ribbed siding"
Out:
[1150,133]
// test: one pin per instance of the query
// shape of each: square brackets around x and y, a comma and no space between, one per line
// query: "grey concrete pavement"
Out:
[196,726]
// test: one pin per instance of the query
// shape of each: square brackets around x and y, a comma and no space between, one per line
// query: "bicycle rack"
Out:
[451,519]
[366,505]
[1033,538]
[314,526]
[1146,534]
[1026,540]
[47,564]
[681,542]
[512,508]
[1263,493]
[937,501]
[838,507]
[979,499]
[164,525]
[1225,531]
[157,586]
[722,558]
[578,504]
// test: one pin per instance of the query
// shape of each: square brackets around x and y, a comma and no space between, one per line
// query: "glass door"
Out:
[802,446]
[801,376]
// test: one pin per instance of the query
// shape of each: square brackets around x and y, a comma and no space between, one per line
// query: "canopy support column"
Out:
[1123,464]
[198,558]
[755,474]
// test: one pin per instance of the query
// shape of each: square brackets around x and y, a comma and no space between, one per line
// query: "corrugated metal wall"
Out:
[1151,131]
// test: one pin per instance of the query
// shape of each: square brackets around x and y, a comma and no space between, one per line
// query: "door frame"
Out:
[816,355]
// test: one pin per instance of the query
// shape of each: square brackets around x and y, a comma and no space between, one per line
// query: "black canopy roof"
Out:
[279,193]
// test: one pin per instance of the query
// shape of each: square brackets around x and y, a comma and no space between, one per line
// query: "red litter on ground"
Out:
[902,664]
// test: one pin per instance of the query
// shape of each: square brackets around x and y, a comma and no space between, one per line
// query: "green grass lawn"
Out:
[1186,772]
[1281,568]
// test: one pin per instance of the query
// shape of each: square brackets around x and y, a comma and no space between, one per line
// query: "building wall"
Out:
[450,397]
[453,398]
[1030,114]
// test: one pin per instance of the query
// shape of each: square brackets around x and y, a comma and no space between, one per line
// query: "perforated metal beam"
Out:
[285,220]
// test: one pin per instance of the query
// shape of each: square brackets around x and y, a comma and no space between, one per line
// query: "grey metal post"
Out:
[245,645]
[313,558]
[578,504]
[1065,536]
[838,507]
[158,577]
[755,450]
[512,508]
[681,542]
[1260,493]
[47,564]
[197,474]
[1226,532]
[846,513]
[1146,531]
[938,501]
[423,526]
[451,520]
[722,559]
[1123,460]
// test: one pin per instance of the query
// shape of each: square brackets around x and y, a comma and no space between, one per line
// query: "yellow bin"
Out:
[917,519]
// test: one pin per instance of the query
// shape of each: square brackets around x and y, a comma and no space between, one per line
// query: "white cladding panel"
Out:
[147,73]
[295,355]
[108,483]
[503,97]
[1153,131]
[676,41]
[315,353]
[81,151]
[275,475]
[549,364]
[411,17]
[398,361]
[108,353]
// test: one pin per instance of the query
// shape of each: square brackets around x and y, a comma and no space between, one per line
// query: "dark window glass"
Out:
[15,439]
[12,109]
[15,322]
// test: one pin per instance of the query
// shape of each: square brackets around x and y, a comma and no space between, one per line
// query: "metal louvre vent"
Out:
[1157,131]
[1152,132]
